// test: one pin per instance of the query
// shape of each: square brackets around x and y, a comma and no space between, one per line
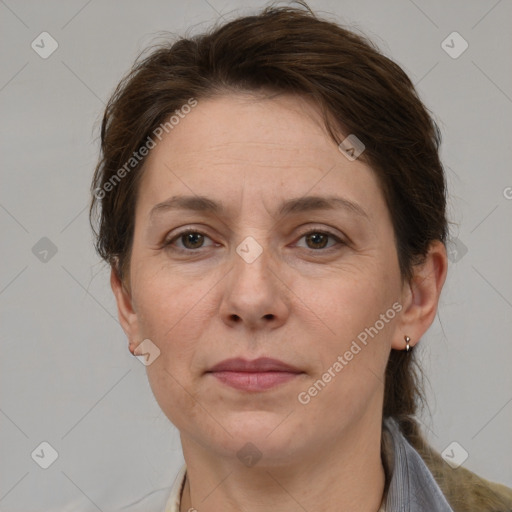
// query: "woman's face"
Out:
[266,274]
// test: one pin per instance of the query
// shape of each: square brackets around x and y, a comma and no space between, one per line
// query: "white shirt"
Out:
[173,503]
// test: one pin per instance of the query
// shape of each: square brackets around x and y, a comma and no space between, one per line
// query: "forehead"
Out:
[285,128]
[246,144]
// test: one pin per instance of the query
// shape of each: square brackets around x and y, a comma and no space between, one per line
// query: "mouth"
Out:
[258,375]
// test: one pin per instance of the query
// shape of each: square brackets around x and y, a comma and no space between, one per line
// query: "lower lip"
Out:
[254,381]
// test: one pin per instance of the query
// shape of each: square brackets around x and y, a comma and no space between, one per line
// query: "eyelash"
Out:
[168,243]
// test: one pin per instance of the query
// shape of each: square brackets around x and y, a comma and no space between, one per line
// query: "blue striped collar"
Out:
[412,487]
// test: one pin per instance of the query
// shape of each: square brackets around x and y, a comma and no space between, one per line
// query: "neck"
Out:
[344,475]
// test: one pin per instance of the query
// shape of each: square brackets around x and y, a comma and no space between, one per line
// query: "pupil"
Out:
[316,236]
[190,236]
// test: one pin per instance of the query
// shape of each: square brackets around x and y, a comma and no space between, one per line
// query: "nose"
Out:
[255,292]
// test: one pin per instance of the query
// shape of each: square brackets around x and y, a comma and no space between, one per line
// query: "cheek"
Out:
[174,311]
[349,301]
[165,302]
[354,319]
[170,315]
[176,398]
[351,359]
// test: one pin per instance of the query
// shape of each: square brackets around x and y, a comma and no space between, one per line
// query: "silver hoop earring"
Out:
[407,346]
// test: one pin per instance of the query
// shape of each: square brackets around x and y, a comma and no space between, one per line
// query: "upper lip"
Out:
[262,364]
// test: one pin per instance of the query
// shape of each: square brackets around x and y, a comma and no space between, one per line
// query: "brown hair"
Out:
[287,50]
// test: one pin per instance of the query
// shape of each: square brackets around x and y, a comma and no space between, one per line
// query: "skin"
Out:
[303,301]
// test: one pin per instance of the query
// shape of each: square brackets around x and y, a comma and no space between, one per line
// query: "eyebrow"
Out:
[290,206]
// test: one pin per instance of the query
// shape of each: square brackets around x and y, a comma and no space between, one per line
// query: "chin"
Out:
[267,434]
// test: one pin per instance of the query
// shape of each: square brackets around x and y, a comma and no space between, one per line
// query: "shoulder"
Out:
[464,490]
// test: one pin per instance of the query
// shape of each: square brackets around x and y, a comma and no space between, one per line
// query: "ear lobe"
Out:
[126,313]
[421,296]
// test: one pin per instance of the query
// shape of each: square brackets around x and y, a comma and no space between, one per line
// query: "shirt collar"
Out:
[412,487]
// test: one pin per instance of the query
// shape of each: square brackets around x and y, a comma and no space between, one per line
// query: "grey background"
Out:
[67,377]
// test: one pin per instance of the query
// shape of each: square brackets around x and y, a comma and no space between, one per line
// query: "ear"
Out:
[420,296]
[126,312]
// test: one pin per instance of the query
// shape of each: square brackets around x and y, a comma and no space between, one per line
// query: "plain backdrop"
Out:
[67,378]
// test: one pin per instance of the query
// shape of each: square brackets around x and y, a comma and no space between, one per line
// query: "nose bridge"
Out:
[253,293]
[252,261]
[251,250]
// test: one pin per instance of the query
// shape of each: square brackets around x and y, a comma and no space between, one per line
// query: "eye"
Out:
[190,238]
[318,239]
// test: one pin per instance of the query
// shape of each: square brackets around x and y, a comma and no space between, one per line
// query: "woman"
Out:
[273,211]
